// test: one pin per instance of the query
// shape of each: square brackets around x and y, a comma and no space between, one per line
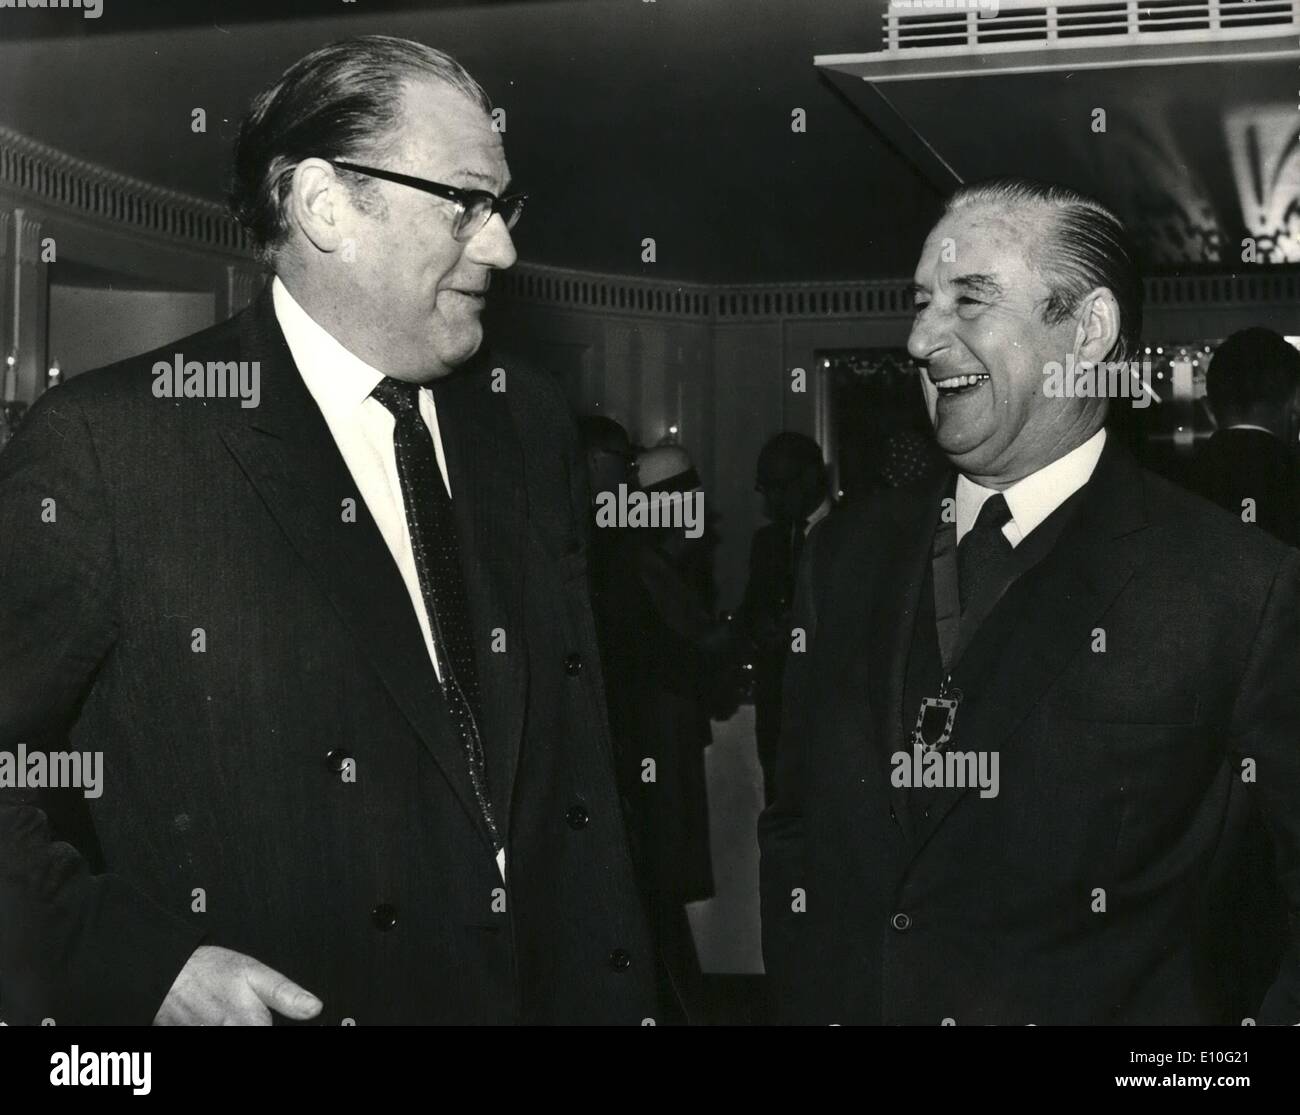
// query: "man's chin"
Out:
[454,356]
[956,441]
[963,448]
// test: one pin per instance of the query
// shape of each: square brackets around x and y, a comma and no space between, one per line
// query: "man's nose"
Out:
[928,335]
[493,246]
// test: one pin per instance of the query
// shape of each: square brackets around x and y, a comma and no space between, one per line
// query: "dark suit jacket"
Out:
[1120,771]
[768,599]
[658,673]
[380,895]
[1237,464]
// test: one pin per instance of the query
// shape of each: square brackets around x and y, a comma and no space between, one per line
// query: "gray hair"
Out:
[1087,247]
[339,102]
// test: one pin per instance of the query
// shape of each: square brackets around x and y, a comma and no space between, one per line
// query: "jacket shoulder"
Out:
[1193,525]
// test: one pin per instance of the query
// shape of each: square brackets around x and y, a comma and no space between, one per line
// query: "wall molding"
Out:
[44,174]
[620,295]
[62,183]
[605,294]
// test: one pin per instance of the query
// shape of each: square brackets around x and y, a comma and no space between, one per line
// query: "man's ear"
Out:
[1099,325]
[319,205]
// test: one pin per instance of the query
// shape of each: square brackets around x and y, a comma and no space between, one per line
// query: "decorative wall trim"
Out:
[35,170]
[605,294]
[1266,286]
[586,291]
[619,295]
[64,183]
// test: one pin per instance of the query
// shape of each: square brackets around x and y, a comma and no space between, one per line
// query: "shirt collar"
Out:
[1032,498]
[338,379]
[823,509]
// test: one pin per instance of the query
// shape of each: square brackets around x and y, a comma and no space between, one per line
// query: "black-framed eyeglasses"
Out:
[477,207]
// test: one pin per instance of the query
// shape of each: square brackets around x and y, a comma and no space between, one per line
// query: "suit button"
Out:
[577,816]
[901,922]
[337,759]
[573,664]
[619,960]
[384,916]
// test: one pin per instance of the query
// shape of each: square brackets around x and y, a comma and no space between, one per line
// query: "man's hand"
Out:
[219,987]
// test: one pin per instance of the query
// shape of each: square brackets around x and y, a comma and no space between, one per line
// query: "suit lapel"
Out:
[485,466]
[285,448]
[1056,611]
[893,618]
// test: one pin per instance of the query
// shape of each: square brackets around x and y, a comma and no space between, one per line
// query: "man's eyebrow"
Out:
[979,284]
[464,172]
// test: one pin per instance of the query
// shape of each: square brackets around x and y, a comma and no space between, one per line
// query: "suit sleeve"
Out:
[781,826]
[74,946]
[1266,730]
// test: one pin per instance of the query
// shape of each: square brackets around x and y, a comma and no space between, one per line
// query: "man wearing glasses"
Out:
[336,648]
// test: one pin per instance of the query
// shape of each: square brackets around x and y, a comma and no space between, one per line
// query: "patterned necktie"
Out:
[984,550]
[432,525]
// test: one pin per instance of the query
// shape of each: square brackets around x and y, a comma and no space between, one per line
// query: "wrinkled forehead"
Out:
[986,238]
[444,132]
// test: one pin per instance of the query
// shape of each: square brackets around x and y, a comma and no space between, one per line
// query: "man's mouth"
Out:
[958,385]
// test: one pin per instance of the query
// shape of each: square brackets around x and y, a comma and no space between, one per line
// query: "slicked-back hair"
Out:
[343,101]
[1086,247]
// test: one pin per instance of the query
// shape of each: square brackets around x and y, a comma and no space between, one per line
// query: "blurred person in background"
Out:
[1253,387]
[792,479]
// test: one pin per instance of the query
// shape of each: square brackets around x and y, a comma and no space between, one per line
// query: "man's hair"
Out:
[343,101]
[1253,368]
[1086,247]
[798,448]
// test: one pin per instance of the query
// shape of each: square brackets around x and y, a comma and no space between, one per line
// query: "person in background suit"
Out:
[1249,468]
[1040,702]
[793,483]
[626,626]
[333,635]
[664,652]
[1253,387]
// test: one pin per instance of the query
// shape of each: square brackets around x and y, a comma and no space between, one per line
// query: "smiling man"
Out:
[1125,651]
[336,648]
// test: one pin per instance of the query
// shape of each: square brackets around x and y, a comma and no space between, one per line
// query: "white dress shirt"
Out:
[1032,498]
[362,427]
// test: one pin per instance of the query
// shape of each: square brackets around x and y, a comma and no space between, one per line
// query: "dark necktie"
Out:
[984,551]
[432,524]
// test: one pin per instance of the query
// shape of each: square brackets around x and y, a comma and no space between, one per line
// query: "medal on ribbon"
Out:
[935,720]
